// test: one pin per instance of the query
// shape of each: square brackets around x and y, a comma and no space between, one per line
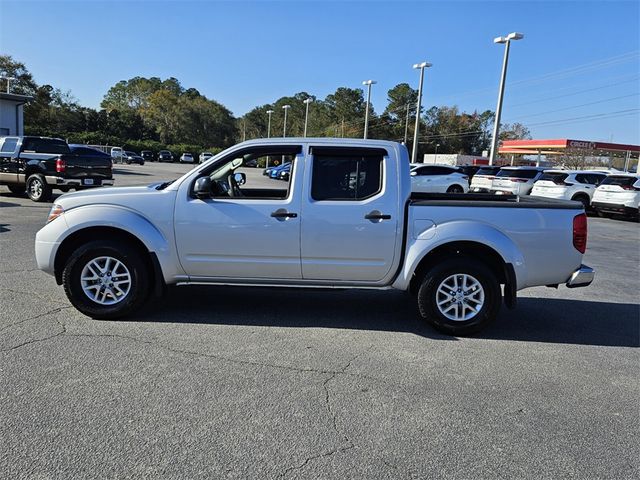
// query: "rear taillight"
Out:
[629,187]
[580,232]
[566,184]
[60,165]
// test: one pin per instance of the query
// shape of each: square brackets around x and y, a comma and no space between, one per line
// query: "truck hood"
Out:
[124,196]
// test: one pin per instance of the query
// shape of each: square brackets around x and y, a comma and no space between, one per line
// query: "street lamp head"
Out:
[500,40]
[269,112]
[515,36]
[286,107]
[308,100]
[422,65]
[369,82]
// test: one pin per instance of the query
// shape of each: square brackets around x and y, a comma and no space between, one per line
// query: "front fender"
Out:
[425,237]
[52,235]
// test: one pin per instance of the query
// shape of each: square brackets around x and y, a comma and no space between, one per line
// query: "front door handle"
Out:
[376,216]
[283,214]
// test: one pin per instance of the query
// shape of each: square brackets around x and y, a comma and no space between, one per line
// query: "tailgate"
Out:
[87,166]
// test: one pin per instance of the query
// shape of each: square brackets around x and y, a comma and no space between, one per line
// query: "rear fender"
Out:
[427,237]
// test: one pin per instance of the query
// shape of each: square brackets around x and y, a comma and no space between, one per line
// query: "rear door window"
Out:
[557,178]
[524,173]
[346,174]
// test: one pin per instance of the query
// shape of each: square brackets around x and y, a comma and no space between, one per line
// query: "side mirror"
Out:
[202,188]
[240,178]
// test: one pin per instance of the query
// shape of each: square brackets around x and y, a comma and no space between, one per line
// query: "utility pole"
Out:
[284,128]
[406,126]
[306,115]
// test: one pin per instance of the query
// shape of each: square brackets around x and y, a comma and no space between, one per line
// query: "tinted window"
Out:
[431,170]
[346,177]
[557,178]
[487,171]
[524,173]
[622,181]
[9,145]
[594,178]
[44,145]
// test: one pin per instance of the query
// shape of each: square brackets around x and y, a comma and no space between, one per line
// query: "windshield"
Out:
[520,173]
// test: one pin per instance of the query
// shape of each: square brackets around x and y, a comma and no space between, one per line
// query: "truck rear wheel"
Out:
[37,188]
[105,279]
[459,296]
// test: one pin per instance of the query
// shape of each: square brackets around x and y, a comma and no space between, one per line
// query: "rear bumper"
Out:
[581,277]
[75,182]
[614,208]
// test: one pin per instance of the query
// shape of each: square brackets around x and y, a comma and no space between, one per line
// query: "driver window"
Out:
[255,174]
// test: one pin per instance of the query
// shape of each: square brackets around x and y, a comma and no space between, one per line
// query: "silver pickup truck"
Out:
[346,218]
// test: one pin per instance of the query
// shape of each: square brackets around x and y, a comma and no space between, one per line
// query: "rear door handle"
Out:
[376,216]
[282,214]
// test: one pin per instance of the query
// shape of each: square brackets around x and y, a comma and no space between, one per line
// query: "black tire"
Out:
[584,200]
[455,189]
[130,258]
[37,188]
[428,296]
[17,189]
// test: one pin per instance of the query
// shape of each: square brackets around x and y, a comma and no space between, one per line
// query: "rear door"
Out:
[349,225]
[8,165]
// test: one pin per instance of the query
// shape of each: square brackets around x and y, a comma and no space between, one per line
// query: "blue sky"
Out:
[575,74]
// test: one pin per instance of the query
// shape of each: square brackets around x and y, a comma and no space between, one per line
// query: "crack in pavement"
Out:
[62,331]
[347,443]
[49,312]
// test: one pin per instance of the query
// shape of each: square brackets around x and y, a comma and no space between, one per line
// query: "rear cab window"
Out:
[346,174]
[9,145]
[44,145]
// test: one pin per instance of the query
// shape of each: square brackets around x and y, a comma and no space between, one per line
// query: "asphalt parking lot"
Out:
[225,382]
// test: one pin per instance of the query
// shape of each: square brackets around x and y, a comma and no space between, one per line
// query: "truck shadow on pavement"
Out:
[534,320]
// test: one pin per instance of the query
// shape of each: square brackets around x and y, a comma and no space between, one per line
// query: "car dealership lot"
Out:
[269,383]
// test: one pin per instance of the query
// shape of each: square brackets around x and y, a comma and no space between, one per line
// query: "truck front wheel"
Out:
[459,296]
[38,189]
[105,279]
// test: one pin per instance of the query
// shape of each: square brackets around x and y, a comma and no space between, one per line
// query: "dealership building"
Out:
[12,113]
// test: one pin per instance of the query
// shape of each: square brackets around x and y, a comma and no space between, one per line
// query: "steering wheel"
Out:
[234,191]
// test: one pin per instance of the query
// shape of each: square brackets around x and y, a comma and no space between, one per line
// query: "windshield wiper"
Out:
[164,185]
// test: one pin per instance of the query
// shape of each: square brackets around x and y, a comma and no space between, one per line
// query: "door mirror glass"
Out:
[240,178]
[202,188]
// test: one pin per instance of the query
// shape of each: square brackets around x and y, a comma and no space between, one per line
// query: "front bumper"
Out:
[75,182]
[581,277]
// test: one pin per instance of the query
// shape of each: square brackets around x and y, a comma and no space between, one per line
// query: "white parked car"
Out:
[438,179]
[578,185]
[515,180]
[618,194]
[117,155]
[481,181]
[186,158]
[204,156]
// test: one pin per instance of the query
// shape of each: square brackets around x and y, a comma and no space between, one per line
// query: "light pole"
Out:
[416,130]
[366,112]
[8,79]
[284,128]
[269,112]
[496,126]
[306,115]
[436,159]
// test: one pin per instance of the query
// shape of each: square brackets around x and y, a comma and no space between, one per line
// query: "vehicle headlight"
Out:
[55,212]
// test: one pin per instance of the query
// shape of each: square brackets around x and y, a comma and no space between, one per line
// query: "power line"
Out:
[619,113]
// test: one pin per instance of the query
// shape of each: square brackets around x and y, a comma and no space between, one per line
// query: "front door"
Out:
[248,231]
[350,217]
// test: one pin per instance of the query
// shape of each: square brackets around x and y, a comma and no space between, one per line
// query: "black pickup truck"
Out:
[39,164]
